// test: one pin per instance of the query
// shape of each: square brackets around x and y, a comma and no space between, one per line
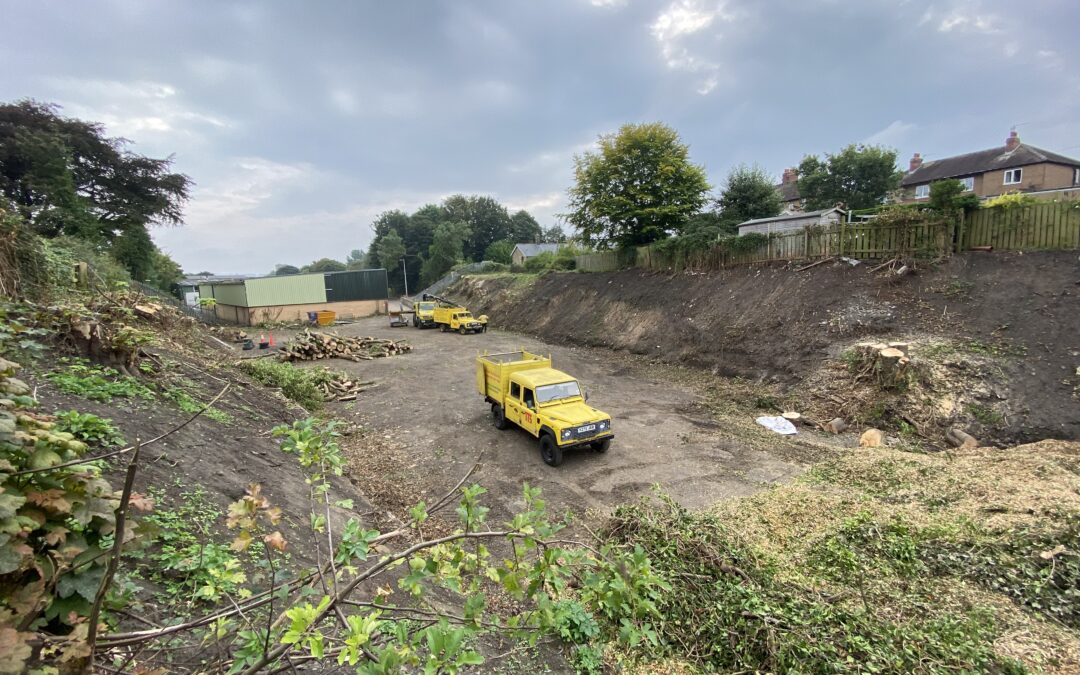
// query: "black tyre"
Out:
[462,330]
[550,450]
[601,446]
[442,327]
[498,416]
[415,322]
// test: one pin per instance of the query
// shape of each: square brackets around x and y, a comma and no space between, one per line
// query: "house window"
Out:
[922,192]
[1012,176]
[969,183]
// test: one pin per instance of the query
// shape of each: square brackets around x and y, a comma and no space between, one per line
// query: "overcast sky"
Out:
[300,121]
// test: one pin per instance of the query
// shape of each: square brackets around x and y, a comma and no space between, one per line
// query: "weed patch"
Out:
[89,429]
[97,383]
[188,404]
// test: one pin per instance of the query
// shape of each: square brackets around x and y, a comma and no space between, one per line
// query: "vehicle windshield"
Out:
[464,315]
[426,306]
[554,392]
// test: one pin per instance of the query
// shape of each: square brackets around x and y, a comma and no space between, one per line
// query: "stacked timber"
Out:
[312,346]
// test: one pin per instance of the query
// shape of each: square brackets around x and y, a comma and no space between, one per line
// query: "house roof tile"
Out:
[982,161]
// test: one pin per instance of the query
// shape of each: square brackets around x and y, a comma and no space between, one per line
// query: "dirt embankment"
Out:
[1019,313]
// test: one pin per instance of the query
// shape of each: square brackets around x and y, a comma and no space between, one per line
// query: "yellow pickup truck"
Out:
[423,314]
[525,390]
[449,315]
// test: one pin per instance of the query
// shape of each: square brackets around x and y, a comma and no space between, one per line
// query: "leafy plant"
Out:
[56,524]
[89,428]
[97,383]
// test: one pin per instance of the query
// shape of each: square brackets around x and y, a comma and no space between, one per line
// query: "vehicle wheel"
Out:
[601,446]
[462,330]
[550,450]
[442,327]
[415,322]
[498,416]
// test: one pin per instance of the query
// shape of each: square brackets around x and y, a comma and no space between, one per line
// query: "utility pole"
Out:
[405,275]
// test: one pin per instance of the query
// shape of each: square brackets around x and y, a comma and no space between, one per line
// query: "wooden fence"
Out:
[1049,225]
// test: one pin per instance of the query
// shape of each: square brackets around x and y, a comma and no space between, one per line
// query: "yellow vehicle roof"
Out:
[538,377]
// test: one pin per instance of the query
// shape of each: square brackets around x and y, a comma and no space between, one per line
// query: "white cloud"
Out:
[608,3]
[967,17]
[677,24]
[152,113]
[892,135]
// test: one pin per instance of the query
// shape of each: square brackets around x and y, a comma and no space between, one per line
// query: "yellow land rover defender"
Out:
[450,316]
[424,314]
[525,390]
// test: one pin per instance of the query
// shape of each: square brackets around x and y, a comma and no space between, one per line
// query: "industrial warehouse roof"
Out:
[299,289]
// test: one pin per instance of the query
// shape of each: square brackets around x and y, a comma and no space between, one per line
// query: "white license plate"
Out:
[587,427]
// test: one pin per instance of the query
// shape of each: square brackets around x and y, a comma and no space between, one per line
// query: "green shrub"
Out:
[541,261]
[89,429]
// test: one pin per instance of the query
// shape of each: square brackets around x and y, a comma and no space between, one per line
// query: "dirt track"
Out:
[427,400]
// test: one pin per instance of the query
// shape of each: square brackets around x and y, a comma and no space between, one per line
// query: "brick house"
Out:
[790,200]
[1016,167]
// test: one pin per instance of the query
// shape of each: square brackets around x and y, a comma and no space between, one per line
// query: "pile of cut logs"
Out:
[312,345]
[344,389]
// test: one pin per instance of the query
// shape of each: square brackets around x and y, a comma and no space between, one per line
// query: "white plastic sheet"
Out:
[777,424]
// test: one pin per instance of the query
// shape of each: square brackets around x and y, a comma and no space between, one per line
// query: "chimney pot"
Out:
[1013,141]
[916,162]
[790,175]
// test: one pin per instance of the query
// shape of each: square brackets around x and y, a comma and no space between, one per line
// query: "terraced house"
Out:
[1016,167]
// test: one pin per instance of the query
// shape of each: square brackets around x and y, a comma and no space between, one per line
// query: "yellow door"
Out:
[530,421]
[513,406]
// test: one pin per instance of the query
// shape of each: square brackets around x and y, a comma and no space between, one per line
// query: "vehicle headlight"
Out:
[602,426]
[567,433]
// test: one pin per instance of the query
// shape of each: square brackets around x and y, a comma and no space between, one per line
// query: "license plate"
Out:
[587,427]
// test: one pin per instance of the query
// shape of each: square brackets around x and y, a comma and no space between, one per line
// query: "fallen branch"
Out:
[815,264]
[885,264]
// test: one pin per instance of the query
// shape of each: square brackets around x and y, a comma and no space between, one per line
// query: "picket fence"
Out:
[1050,225]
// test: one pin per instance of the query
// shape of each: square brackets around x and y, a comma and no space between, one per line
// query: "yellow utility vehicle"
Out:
[424,314]
[449,315]
[525,390]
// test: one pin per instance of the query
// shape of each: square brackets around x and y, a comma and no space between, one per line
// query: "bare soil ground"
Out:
[427,411]
[775,324]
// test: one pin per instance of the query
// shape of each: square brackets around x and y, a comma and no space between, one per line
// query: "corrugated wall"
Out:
[292,289]
[226,294]
[356,285]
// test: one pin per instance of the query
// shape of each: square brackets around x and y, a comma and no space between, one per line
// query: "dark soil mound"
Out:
[774,323]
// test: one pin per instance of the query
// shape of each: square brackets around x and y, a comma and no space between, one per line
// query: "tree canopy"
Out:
[284,270]
[64,176]
[499,251]
[324,265]
[951,195]
[485,219]
[446,250]
[858,177]
[638,187]
[748,192]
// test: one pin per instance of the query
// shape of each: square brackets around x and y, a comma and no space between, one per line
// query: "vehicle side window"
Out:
[515,390]
[530,402]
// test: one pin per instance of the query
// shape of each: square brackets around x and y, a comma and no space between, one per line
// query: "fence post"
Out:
[843,238]
[958,240]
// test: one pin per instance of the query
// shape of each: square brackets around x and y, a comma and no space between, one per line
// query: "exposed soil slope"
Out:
[776,324]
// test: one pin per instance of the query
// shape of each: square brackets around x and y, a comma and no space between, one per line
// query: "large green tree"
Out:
[857,177]
[524,229]
[638,187]
[553,235]
[447,249]
[66,177]
[390,252]
[324,265]
[748,192]
[488,221]
[285,270]
[500,251]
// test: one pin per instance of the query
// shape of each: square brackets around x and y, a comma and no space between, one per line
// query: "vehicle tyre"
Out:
[415,322]
[462,330]
[442,327]
[498,416]
[602,445]
[550,450]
